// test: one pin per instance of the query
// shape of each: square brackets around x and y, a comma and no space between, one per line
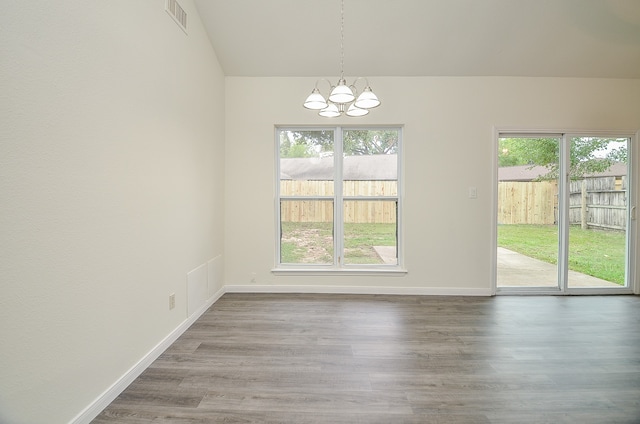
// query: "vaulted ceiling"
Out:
[556,38]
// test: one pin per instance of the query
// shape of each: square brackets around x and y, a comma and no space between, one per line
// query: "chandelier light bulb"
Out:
[356,111]
[315,101]
[330,111]
[341,93]
[367,99]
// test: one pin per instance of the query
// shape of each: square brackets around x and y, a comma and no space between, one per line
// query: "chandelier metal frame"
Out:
[343,98]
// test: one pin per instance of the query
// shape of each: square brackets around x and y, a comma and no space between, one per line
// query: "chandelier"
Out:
[343,98]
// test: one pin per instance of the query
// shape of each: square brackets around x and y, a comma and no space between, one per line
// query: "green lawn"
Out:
[593,252]
[312,242]
[597,253]
[359,240]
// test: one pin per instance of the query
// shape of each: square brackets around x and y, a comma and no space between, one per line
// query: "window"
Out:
[338,198]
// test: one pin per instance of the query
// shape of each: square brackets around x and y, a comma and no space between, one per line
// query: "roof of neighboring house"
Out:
[384,167]
[521,172]
[530,172]
[358,168]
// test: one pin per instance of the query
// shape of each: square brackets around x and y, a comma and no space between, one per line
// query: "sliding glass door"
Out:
[563,213]
[598,202]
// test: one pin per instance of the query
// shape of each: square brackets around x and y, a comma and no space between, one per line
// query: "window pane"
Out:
[306,232]
[306,163]
[370,166]
[370,232]
[528,212]
[598,212]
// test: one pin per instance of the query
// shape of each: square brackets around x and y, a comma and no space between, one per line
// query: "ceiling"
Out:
[550,38]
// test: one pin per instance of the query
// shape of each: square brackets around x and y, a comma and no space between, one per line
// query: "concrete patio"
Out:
[516,270]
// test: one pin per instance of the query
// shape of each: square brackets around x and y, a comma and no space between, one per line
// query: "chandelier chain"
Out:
[342,39]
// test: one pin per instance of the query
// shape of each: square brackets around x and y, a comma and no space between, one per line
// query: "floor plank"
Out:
[304,358]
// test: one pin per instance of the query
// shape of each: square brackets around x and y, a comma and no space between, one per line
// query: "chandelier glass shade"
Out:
[343,97]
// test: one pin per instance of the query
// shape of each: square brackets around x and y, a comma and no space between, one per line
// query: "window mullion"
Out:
[338,230]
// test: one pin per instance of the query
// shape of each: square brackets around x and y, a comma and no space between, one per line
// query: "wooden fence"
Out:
[593,202]
[349,188]
[599,203]
[355,211]
[530,202]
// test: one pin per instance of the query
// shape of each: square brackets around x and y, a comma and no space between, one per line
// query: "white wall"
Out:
[448,146]
[111,190]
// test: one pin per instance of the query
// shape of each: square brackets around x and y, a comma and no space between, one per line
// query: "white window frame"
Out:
[338,199]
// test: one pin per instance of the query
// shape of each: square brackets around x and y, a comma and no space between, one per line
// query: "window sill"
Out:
[397,271]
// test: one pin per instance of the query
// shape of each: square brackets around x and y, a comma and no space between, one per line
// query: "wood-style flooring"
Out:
[287,358]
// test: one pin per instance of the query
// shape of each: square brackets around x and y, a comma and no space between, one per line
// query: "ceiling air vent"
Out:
[177,13]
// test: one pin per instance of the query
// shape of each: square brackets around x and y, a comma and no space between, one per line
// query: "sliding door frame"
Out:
[631,270]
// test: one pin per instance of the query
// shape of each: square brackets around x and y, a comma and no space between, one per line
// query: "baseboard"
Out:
[409,291]
[98,405]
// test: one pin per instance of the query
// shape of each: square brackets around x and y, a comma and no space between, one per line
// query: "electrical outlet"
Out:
[253,278]
[172,301]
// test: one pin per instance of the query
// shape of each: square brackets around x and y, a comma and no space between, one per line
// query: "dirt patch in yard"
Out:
[311,246]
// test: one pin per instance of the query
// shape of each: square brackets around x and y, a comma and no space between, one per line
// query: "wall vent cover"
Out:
[178,14]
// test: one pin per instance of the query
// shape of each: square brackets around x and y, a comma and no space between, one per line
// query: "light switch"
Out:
[473,193]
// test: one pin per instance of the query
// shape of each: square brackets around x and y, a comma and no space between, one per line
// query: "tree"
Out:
[588,155]
[299,144]
[370,142]
[305,144]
